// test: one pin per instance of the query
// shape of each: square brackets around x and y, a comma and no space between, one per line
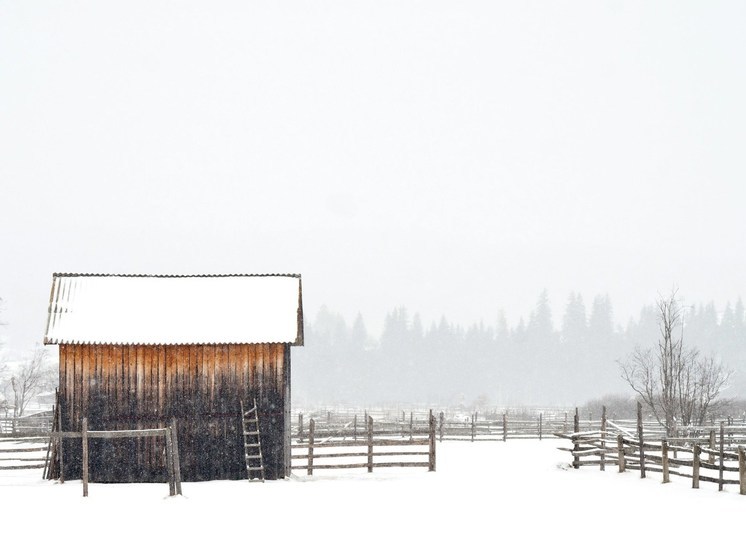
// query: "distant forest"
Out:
[529,363]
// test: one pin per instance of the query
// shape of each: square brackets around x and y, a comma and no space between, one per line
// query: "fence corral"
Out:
[691,454]
[378,445]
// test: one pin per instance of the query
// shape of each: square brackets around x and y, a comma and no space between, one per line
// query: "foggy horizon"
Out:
[456,159]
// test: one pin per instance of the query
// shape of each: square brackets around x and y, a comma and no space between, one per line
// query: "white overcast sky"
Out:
[454,157]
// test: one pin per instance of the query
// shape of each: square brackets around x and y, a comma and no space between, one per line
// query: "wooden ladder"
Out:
[252,443]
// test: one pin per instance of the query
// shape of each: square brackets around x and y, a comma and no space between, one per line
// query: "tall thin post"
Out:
[300,427]
[640,439]
[85,456]
[176,459]
[664,460]
[411,425]
[541,426]
[575,441]
[442,421]
[431,455]
[602,465]
[169,442]
[722,456]
[505,427]
[620,452]
[695,466]
[354,428]
[473,427]
[742,470]
[60,443]
[370,444]
[311,429]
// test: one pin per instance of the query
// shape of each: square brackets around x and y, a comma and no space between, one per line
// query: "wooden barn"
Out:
[137,351]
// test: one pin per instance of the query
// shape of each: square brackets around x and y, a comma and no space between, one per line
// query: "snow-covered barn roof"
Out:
[167,310]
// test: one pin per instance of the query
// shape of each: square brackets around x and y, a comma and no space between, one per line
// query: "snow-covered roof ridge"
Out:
[132,309]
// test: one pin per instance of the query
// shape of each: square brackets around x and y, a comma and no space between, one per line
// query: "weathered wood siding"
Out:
[140,387]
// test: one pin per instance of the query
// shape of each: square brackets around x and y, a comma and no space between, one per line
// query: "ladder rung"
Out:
[255,468]
[252,444]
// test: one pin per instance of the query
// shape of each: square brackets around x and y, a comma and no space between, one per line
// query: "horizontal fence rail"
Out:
[704,455]
[374,446]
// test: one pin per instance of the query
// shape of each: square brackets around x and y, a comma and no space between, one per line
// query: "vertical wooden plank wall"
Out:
[140,387]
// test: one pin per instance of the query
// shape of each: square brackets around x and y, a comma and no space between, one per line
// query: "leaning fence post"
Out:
[85,456]
[311,429]
[640,439]
[370,444]
[431,456]
[695,466]
[742,470]
[61,443]
[664,460]
[620,452]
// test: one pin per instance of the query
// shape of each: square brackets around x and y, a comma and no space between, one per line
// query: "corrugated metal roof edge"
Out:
[56,341]
[90,275]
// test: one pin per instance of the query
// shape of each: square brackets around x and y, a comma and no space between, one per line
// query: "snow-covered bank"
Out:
[485,498]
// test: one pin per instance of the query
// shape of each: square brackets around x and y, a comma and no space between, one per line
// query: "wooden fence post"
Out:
[311,429]
[176,459]
[85,456]
[411,425]
[695,465]
[564,424]
[602,465]
[442,421]
[370,444]
[722,456]
[640,439]
[300,427]
[712,447]
[169,442]
[431,455]
[354,428]
[472,427]
[61,443]
[541,418]
[620,452]
[664,460]
[575,443]
[742,470]
[505,427]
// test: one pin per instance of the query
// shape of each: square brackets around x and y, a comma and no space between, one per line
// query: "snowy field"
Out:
[486,499]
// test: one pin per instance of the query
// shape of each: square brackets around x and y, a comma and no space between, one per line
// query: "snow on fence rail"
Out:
[23,453]
[689,457]
[379,446]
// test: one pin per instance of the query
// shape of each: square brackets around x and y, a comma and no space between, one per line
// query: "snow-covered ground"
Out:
[486,499]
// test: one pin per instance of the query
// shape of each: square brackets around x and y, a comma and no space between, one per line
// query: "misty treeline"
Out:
[532,362]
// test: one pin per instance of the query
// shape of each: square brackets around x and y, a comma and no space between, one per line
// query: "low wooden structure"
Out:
[137,352]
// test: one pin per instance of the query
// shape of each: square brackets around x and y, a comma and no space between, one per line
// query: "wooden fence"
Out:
[37,424]
[23,453]
[173,466]
[379,446]
[449,427]
[702,455]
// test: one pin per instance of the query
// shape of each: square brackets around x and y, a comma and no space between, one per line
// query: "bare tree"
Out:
[676,383]
[30,379]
